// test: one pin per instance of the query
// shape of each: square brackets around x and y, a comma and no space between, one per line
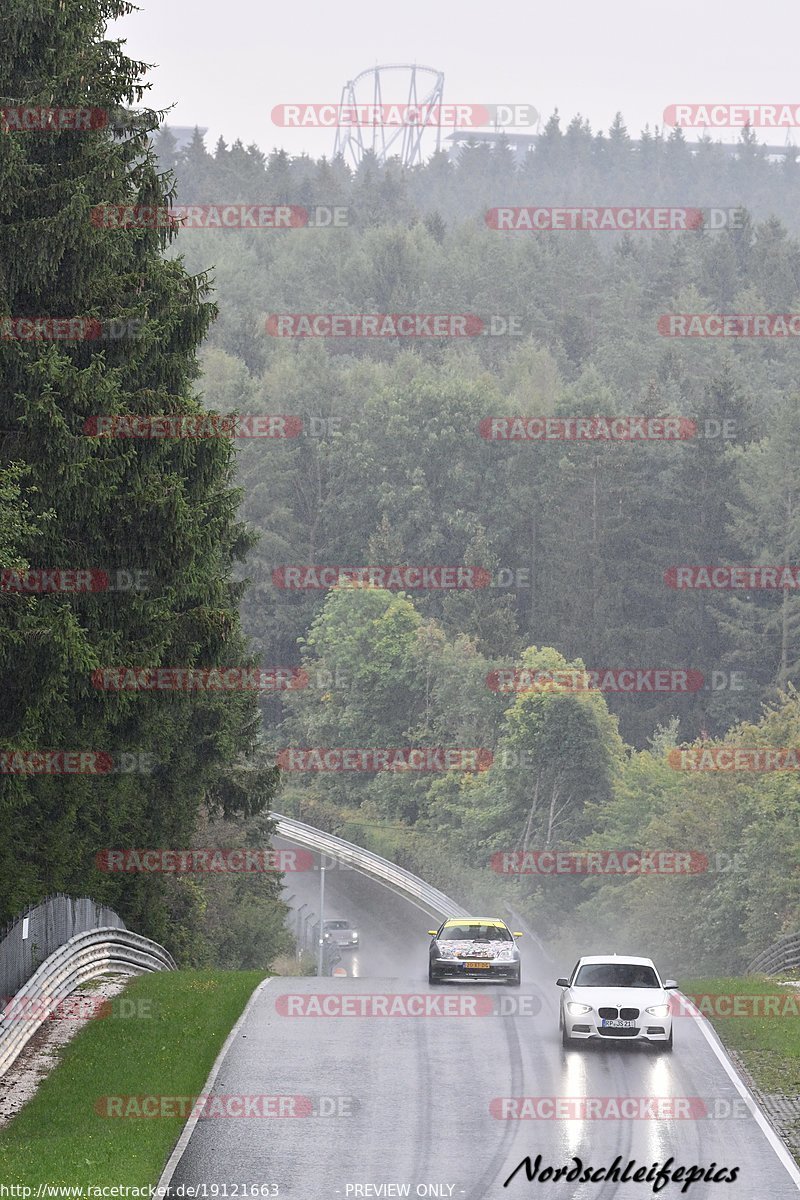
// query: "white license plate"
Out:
[616,1024]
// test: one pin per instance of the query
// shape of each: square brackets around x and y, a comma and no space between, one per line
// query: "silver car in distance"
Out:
[341,933]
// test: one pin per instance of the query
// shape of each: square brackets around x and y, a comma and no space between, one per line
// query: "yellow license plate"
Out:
[479,966]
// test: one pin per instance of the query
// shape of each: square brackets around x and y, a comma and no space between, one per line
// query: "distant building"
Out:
[520,143]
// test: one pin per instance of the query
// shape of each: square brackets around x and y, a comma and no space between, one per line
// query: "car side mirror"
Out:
[670,985]
[518,933]
[562,982]
[432,932]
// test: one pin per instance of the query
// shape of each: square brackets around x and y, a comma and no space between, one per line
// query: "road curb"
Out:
[742,1086]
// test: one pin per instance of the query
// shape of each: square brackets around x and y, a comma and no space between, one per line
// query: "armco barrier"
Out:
[83,957]
[783,956]
[400,881]
[409,886]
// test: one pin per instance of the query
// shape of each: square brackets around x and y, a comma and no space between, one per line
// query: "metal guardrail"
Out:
[783,956]
[83,957]
[400,881]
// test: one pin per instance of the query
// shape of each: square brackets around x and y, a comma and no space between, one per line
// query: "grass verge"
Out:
[767,1040]
[60,1138]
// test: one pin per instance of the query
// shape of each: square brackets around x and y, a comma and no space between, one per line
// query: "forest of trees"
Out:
[380,674]
[584,531]
[567,166]
[577,538]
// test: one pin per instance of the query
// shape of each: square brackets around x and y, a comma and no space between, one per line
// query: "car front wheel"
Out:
[432,977]
[515,980]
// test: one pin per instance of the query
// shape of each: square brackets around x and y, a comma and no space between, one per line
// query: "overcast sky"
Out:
[226,63]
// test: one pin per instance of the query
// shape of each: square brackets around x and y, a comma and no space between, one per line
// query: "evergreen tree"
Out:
[163,506]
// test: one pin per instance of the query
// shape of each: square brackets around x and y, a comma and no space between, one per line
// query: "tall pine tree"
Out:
[162,506]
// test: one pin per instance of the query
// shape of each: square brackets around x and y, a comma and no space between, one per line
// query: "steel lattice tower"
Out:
[424,89]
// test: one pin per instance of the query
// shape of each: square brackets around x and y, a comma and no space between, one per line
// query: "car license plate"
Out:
[616,1024]
[479,966]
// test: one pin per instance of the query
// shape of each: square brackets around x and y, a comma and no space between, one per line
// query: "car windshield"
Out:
[623,975]
[336,925]
[475,933]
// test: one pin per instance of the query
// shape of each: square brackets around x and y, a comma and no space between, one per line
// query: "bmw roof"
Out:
[618,958]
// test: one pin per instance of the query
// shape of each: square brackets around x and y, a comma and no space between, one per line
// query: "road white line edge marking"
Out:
[188,1129]
[712,1037]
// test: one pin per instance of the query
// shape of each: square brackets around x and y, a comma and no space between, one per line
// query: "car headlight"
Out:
[505,955]
[445,951]
[658,1010]
[577,1010]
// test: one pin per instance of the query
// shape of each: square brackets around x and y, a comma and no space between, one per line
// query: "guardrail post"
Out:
[298,931]
[321,918]
[306,936]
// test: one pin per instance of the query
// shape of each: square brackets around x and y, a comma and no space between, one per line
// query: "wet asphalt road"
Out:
[403,1105]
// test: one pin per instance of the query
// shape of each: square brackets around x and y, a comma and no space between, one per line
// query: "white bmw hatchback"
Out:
[616,998]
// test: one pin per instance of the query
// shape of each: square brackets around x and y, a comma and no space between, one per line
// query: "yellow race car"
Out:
[474,947]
